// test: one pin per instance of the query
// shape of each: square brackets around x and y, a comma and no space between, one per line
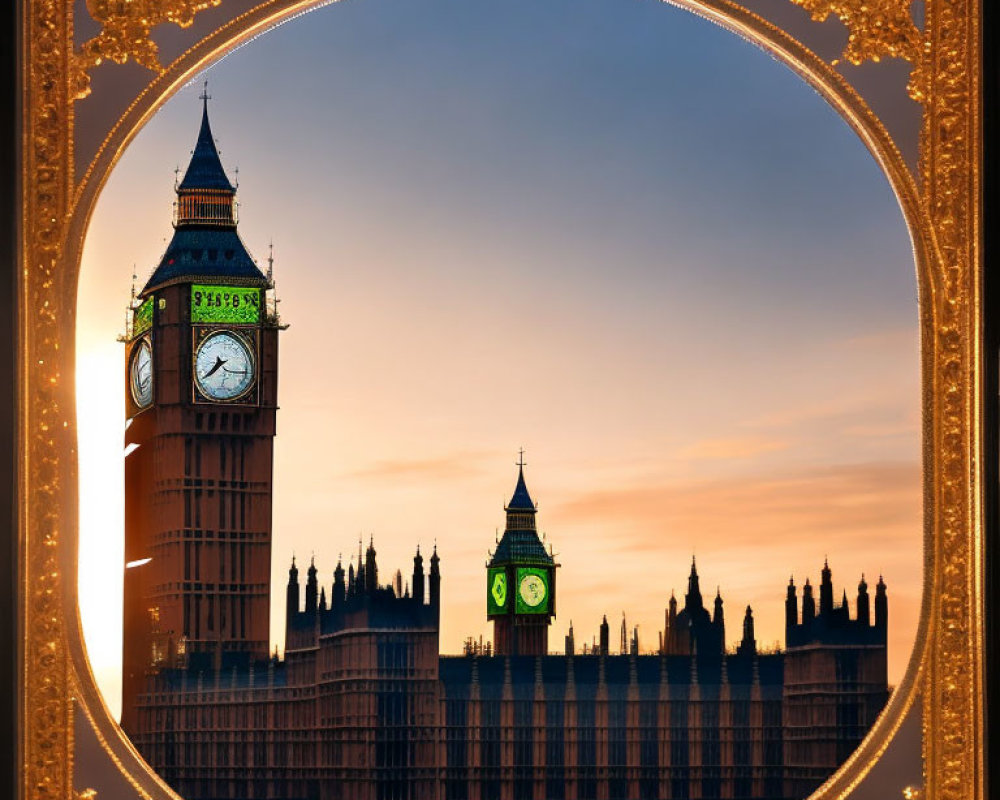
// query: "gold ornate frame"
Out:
[940,199]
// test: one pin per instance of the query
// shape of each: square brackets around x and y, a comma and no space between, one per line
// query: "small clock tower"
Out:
[521,581]
[201,400]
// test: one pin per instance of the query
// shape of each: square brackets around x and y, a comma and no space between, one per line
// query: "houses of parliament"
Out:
[362,705]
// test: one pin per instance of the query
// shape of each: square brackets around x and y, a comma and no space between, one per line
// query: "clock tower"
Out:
[201,399]
[521,581]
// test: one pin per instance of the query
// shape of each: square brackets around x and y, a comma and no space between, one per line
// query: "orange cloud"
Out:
[446,467]
[846,501]
[749,532]
[731,448]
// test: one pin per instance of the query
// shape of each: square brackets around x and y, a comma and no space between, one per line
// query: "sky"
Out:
[605,231]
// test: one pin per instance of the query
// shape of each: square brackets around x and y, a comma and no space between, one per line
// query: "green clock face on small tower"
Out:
[496,591]
[532,590]
[224,366]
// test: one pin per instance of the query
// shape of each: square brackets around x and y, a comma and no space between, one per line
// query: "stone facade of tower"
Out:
[202,353]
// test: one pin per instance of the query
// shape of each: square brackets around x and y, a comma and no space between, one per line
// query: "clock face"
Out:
[499,589]
[140,374]
[223,366]
[532,590]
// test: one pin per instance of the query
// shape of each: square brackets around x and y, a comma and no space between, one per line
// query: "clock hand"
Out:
[219,361]
[235,371]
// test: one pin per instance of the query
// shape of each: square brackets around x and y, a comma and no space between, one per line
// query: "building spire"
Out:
[521,500]
[205,170]
[693,598]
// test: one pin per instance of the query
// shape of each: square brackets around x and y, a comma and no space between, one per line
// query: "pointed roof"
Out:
[521,501]
[199,251]
[205,169]
[520,542]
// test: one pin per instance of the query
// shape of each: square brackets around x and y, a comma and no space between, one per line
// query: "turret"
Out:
[339,589]
[322,598]
[826,590]
[808,604]
[749,644]
[205,197]
[435,579]
[371,568]
[352,586]
[605,637]
[570,641]
[881,605]
[359,576]
[718,618]
[292,592]
[864,609]
[791,607]
[692,600]
[418,577]
[312,588]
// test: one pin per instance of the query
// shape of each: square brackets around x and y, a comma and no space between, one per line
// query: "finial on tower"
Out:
[520,457]
[205,96]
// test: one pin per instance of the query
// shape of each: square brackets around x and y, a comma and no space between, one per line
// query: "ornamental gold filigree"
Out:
[950,158]
[877,29]
[943,216]
[47,151]
[125,33]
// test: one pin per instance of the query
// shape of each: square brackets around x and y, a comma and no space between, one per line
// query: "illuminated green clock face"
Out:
[140,374]
[496,590]
[224,366]
[532,591]
[142,317]
[227,304]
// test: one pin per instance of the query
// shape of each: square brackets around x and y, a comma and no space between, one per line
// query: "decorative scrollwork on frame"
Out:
[877,29]
[950,151]
[945,58]
[125,34]
[45,426]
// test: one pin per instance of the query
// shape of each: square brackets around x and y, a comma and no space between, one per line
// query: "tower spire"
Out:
[521,500]
[693,598]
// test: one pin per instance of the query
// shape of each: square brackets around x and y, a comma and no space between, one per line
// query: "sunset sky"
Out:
[607,232]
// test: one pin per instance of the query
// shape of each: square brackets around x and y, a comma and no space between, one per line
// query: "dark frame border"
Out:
[991,390]
[10,182]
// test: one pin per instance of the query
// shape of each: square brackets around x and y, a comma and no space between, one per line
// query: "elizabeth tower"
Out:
[521,581]
[202,364]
